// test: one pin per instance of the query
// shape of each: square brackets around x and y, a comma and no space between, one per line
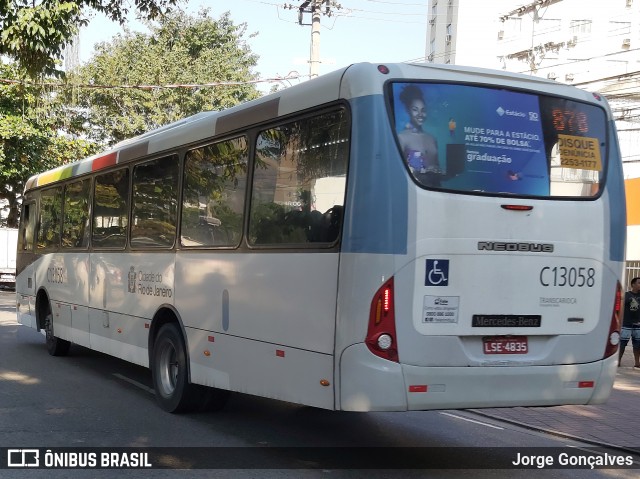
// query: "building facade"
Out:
[464,32]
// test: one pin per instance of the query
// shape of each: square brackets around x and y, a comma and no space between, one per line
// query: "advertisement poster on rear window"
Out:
[471,138]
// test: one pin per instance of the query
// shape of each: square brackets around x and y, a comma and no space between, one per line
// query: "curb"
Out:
[556,433]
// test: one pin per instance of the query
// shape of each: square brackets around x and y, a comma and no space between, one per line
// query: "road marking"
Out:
[135,383]
[471,420]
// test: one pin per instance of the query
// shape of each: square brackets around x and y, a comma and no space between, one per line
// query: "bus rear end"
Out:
[499,284]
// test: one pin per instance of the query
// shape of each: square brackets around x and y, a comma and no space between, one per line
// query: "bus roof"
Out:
[349,82]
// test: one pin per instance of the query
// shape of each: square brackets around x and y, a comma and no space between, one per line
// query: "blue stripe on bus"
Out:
[376,218]
[617,204]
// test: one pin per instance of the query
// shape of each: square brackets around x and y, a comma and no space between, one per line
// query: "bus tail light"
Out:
[613,338]
[381,334]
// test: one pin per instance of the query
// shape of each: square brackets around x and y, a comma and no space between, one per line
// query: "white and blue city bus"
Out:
[382,238]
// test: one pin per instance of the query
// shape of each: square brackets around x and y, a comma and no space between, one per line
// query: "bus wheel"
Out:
[169,370]
[55,345]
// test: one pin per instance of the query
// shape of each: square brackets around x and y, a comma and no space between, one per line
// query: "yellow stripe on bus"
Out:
[55,175]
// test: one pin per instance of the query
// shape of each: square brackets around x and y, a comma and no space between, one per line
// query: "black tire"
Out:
[169,370]
[55,345]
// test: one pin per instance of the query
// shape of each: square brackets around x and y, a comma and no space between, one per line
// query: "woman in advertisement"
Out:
[420,149]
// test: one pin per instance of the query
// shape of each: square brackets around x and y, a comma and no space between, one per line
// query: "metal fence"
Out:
[631,270]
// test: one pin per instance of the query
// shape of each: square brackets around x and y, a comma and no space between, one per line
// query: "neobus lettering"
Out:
[500,246]
[563,276]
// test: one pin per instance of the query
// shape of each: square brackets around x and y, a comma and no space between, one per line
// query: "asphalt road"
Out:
[90,400]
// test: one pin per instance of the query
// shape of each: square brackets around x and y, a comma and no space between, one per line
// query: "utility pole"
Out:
[314,54]
[314,8]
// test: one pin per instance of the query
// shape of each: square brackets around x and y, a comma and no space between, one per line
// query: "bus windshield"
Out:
[487,140]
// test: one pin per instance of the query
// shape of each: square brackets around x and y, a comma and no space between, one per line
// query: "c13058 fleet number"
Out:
[571,277]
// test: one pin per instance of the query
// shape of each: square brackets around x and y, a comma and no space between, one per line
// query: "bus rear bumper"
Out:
[369,383]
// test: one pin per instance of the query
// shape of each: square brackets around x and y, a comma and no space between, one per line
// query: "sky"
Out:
[378,31]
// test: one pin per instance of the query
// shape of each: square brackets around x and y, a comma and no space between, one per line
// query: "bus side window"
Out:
[155,203]
[27,227]
[50,218]
[75,225]
[215,178]
[299,181]
[111,209]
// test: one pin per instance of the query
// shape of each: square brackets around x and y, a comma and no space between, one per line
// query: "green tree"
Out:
[32,136]
[34,33]
[178,50]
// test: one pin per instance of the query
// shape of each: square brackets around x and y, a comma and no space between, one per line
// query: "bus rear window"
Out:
[494,141]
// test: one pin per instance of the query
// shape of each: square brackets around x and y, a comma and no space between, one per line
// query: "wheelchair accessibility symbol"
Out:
[437,272]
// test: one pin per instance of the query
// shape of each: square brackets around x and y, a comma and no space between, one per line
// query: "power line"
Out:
[290,76]
[400,3]
[381,13]
[385,20]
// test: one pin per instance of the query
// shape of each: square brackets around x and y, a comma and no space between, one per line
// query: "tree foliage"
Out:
[35,33]
[32,122]
[178,50]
